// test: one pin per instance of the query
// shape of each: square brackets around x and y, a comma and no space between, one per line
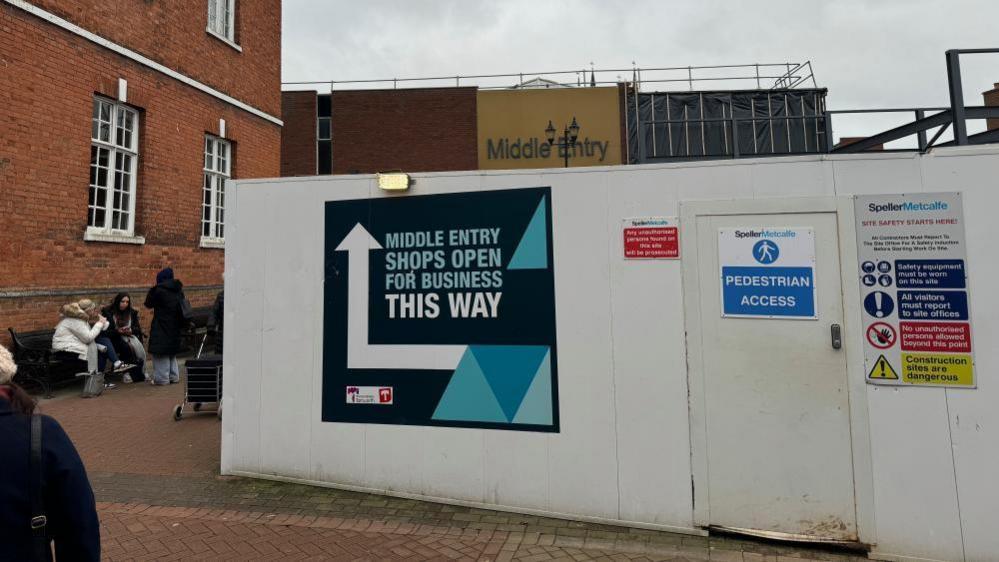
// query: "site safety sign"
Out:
[914,290]
[651,238]
[767,272]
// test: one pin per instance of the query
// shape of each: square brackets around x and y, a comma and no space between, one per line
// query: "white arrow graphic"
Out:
[360,354]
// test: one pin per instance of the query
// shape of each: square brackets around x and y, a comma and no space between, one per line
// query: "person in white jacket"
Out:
[76,338]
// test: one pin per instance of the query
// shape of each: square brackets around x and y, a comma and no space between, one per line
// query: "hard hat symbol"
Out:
[765,251]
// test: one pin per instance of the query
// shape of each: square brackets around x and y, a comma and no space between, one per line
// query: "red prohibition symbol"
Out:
[881,335]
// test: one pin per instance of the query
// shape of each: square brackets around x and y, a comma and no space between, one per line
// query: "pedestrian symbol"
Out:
[879,304]
[765,251]
[882,370]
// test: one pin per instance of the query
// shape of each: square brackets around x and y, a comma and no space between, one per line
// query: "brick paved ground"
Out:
[160,497]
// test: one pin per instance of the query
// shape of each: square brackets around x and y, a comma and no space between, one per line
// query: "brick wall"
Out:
[174,33]
[298,135]
[49,78]
[992,99]
[843,141]
[418,130]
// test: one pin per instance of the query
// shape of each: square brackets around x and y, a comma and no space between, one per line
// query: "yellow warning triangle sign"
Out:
[883,370]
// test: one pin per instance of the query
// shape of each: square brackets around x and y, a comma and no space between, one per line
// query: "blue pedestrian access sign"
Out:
[767,272]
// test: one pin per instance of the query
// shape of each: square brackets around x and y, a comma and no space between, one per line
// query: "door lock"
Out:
[837,336]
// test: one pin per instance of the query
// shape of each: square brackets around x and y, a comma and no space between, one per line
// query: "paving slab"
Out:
[160,495]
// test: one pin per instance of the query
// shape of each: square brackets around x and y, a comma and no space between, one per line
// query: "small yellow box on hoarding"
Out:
[942,369]
[511,127]
[393,182]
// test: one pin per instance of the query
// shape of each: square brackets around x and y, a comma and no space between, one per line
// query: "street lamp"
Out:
[569,135]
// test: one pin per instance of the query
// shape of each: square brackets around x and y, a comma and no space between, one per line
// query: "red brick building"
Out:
[367,131]
[992,99]
[120,121]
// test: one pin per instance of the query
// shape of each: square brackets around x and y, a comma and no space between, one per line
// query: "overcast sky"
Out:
[868,53]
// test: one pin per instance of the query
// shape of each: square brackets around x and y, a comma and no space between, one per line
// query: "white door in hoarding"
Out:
[777,423]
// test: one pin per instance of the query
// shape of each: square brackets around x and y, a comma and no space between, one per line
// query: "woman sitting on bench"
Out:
[126,335]
[76,339]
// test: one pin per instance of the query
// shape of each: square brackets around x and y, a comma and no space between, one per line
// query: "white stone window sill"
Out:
[224,39]
[218,243]
[93,235]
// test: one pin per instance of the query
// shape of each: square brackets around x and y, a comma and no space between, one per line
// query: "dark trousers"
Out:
[108,353]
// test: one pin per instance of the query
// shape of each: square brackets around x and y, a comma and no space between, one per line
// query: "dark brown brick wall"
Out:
[298,136]
[173,33]
[49,78]
[418,130]
[992,98]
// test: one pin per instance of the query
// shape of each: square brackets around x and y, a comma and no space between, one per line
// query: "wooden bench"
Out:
[38,369]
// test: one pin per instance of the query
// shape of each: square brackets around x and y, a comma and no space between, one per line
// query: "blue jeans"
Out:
[108,352]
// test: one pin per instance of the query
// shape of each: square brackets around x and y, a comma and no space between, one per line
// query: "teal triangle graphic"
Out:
[468,396]
[537,405]
[532,251]
[509,369]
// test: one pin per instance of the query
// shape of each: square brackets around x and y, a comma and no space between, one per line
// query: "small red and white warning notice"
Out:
[369,395]
[651,238]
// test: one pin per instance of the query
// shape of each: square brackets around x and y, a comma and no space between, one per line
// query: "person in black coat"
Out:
[166,299]
[68,501]
[125,333]
[215,323]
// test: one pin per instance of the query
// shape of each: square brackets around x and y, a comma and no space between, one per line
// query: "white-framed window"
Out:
[218,163]
[114,156]
[222,19]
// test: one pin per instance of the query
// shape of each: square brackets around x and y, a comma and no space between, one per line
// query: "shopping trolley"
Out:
[202,384]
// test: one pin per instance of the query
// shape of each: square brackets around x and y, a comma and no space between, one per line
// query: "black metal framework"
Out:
[666,126]
[956,116]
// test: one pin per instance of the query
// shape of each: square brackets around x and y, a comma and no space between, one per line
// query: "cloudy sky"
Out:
[868,53]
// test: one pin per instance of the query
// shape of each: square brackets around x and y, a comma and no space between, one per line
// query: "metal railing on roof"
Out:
[784,75]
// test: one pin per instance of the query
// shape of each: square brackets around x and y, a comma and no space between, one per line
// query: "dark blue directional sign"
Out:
[440,310]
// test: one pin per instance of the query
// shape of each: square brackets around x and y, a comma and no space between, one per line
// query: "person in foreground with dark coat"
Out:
[166,299]
[67,500]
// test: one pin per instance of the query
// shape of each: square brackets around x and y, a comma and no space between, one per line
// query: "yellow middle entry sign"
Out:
[511,127]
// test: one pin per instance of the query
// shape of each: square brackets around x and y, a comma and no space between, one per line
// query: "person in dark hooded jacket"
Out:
[166,299]
[71,523]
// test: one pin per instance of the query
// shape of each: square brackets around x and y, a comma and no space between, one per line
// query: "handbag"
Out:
[39,522]
[94,384]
